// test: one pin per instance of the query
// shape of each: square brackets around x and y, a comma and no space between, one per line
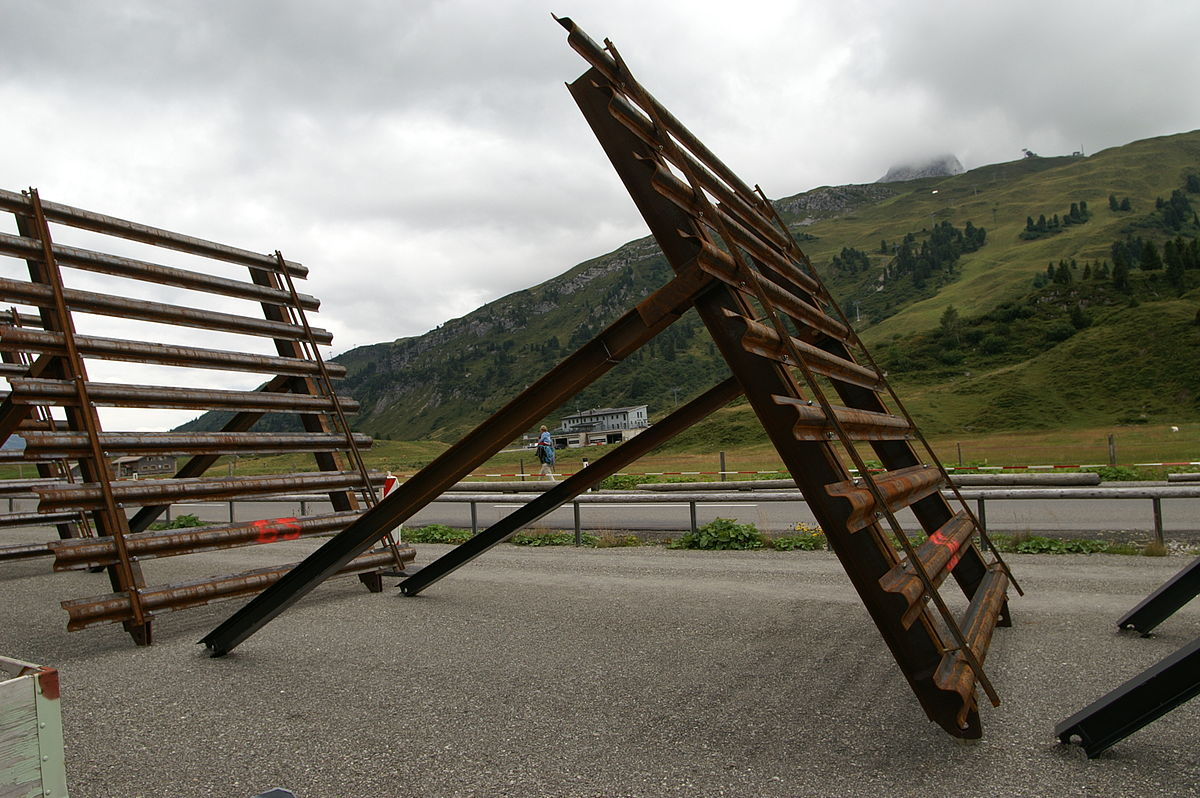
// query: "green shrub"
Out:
[798,542]
[179,522]
[723,534]
[624,481]
[1118,473]
[436,533]
[1024,543]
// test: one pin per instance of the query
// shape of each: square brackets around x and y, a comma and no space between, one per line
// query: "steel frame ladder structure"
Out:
[46,360]
[792,353]
[1155,691]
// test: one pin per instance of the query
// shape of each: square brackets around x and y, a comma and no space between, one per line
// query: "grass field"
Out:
[1134,445]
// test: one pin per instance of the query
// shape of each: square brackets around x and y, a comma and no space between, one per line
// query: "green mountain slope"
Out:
[1022,351]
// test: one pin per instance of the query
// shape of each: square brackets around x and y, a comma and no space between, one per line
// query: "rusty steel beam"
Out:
[126,308]
[899,488]
[87,496]
[954,672]
[606,66]
[31,391]
[759,339]
[72,445]
[87,220]
[720,265]
[118,266]
[110,519]
[938,555]
[115,607]
[80,554]
[35,519]
[26,486]
[862,425]
[24,551]
[51,343]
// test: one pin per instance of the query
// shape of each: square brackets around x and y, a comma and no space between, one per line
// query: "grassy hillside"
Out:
[1027,348]
[1000,198]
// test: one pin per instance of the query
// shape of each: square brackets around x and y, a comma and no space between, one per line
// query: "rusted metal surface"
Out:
[50,343]
[55,445]
[152,272]
[126,308]
[90,495]
[45,361]
[898,489]
[24,551]
[73,555]
[34,518]
[20,205]
[116,607]
[27,391]
[938,555]
[955,672]
[813,425]
[761,340]
[721,266]
[691,200]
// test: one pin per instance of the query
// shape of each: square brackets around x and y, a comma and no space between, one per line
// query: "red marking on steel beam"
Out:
[270,531]
[953,546]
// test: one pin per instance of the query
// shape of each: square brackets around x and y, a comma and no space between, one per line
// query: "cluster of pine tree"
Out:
[1122,205]
[1078,214]
[850,261]
[937,254]
[1176,211]
[1063,273]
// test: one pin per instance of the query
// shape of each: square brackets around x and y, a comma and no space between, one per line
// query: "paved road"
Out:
[604,672]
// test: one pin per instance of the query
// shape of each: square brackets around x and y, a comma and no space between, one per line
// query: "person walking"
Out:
[545,453]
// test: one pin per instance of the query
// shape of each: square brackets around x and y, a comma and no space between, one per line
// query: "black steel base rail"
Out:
[594,359]
[1162,603]
[661,432]
[1141,700]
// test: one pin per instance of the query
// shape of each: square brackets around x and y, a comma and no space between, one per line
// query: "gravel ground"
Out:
[595,672]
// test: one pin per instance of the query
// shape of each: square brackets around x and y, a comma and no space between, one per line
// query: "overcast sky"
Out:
[423,158]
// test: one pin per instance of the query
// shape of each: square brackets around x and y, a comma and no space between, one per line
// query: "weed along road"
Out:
[641,672]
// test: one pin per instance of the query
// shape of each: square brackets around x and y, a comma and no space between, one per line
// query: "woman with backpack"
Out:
[545,453]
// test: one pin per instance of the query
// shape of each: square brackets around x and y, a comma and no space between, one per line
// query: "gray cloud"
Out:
[423,158]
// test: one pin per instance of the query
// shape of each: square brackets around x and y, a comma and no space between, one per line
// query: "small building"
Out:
[603,425]
[607,418]
[145,465]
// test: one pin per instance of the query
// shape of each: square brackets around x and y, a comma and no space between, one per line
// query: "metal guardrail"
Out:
[474,494]
[486,493]
[1156,495]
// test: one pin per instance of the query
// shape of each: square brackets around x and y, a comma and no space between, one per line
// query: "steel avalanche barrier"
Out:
[104,523]
[794,355]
